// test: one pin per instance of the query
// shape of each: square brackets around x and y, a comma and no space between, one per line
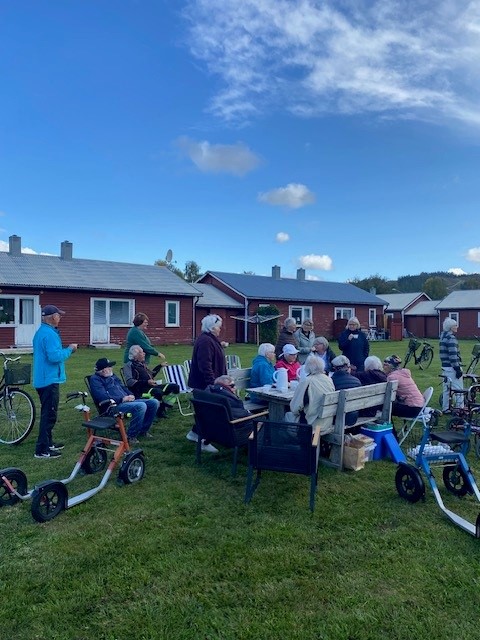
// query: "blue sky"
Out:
[339,136]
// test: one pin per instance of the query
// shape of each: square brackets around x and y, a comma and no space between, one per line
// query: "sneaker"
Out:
[133,441]
[209,448]
[147,434]
[47,454]
[192,436]
[56,446]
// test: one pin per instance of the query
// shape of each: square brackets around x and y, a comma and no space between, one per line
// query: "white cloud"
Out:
[456,271]
[473,254]
[316,278]
[282,237]
[395,57]
[4,246]
[292,196]
[236,159]
[312,261]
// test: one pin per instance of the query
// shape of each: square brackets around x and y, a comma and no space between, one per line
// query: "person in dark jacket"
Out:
[208,363]
[225,387]
[353,344]
[141,381]
[343,379]
[286,336]
[373,374]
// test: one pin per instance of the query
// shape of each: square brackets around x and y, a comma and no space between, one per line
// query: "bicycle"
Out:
[425,357]
[17,408]
[475,358]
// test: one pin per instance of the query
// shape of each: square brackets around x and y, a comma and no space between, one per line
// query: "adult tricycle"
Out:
[105,434]
[447,450]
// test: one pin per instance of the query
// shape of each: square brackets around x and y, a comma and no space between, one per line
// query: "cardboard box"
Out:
[356,451]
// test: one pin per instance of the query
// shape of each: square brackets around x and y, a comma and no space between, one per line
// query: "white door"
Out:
[100,330]
[28,308]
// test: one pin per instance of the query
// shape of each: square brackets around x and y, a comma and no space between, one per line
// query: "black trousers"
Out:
[49,398]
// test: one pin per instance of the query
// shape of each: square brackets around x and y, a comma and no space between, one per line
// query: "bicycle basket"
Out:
[476,350]
[414,344]
[18,374]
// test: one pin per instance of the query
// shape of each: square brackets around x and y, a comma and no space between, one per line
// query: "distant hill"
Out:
[440,283]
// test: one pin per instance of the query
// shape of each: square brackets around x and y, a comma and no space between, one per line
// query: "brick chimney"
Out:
[66,250]
[301,274]
[15,246]
[276,272]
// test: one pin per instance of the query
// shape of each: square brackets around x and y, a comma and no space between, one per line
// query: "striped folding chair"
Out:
[233,362]
[186,365]
[175,373]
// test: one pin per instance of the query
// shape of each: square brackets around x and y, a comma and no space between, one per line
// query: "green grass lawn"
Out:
[179,556]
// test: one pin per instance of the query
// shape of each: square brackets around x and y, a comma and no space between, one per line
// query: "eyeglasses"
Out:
[231,385]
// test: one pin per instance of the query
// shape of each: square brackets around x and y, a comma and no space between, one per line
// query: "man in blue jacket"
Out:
[48,373]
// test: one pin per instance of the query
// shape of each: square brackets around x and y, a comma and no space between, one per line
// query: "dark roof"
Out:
[53,272]
[291,289]
[213,297]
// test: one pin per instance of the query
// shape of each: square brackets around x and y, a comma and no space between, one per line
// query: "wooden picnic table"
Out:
[277,401]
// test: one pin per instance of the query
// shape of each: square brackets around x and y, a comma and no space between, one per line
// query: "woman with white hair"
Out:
[321,348]
[309,393]
[373,374]
[451,364]
[353,344]
[263,366]
[208,364]
[286,336]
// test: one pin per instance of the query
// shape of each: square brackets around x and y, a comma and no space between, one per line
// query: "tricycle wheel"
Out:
[133,468]
[48,501]
[18,480]
[409,483]
[456,480]
[95,461]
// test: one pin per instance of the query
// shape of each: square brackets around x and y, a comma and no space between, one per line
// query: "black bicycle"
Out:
[472,367]
[17,409]
[424,350]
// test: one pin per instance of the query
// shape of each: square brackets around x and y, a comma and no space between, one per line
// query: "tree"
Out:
[473,282]
[268,331]
[435,288]
[171,266]
[192,271]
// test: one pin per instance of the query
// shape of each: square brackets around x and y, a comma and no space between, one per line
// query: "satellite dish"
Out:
[169,256]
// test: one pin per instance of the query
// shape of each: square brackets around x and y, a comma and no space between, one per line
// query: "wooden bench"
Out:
[336,404]
[242,382]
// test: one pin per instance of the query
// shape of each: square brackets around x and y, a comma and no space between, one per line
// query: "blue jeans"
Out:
[143,413]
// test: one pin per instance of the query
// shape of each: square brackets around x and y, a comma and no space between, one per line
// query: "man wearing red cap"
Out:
[48,373]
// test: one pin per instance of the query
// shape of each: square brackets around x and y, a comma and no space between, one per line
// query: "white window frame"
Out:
[372,318]
[454,315]
[108,301]
[478,320]
[343,313]
[176,304]
[306,313]
[14,322]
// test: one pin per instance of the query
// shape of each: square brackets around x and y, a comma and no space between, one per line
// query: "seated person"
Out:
[373,374]
[343,379]
[288,361]
[225,387]
[262,369]
[321,348]
[309,393]
[140,380]
[409,401]
[104,385]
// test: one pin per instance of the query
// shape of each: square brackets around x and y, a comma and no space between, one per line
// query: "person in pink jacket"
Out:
[409,398]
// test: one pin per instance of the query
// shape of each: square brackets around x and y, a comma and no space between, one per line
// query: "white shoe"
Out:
[209,448]
[192,436]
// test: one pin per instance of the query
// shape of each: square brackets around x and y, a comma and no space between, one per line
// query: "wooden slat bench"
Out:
[337,404]
[242,382]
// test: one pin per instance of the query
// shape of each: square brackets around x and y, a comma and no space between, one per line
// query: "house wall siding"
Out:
[468,322]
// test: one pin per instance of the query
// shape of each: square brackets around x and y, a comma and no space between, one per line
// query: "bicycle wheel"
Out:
[426,358]
[472,367]
[17,416]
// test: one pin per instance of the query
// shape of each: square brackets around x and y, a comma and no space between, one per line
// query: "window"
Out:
[112,312]
[300,314]
[172,313]
[372,317]
[454,315]
[344,312]
[478,320]
[7,310]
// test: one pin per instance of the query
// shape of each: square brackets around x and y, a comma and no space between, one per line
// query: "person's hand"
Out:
[224,344]
[128,398]
[73,346]
[458,372]
[152,382]
[351,336]
[160,355]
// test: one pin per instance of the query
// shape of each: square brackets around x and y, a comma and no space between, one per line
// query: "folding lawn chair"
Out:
[422,417]
[233,362]
[175,373]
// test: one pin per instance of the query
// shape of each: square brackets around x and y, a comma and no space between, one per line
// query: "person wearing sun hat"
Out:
[288,360]
[409,399]
[105,386]
[48,374]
